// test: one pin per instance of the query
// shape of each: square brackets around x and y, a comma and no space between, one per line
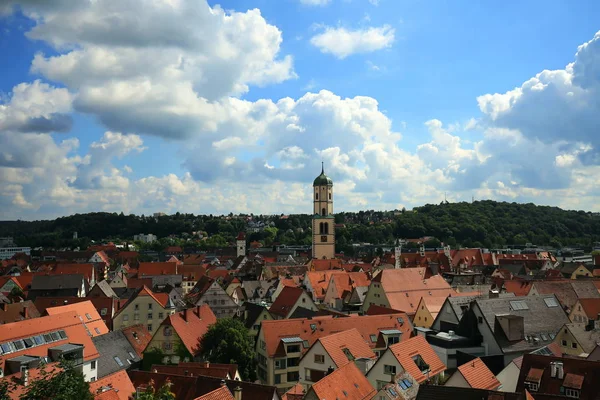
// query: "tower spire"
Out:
[322,167]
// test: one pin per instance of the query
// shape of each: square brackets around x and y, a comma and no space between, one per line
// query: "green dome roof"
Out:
[322,179]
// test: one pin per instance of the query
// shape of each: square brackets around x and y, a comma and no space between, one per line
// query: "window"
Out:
[136,317]
[316,195]
[480,320]
[118,361]
[131,355]
[263,345]
[319,359]
[161,315]
[293,362]
[306,344]
[307,374]
[574,345]
[551,302]
[93,379]
[280,363]
[278,378]
[149,315]
[323,239]
[293,376]
[519,305]
[293,348]
[168,331]
[564,343]
[531,386]
[572,393]
[149,306]
[389,369]
[323,212]
[103,311]
[423,366]
[329,196]
[88,316]
[125,317]
[93,365]
[167,346]
[149,327]
[136,307]
[373,338]
[381,384]
[97,331]
[393,340]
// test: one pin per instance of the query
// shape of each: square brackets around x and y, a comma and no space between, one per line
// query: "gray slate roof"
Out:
[111,345]
[59,281]
[105,288]
[539,320]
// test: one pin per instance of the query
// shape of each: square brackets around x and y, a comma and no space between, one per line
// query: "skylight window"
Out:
[55,336]
[62,334]
[6,348]
[551,302]
[131,355]
[118,360]
[401,321]
[97,330]
[19,345]
[373,338]
[518,305]
[29,342]
[88,316]
[39,340]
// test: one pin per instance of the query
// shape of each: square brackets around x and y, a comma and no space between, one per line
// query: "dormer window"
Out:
[421,364]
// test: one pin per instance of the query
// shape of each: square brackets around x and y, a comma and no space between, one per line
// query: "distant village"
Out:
[406,322]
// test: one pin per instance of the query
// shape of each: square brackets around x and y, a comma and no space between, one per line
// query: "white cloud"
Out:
[342,42]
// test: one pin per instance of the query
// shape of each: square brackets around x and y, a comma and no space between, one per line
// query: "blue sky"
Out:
[181,105]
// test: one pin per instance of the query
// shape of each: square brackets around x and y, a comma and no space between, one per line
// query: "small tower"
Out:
[240,244]
[323,226]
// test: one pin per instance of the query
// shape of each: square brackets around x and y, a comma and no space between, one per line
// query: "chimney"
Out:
[5,306]
[206,364]
[24,375]
[553,369]
[198,311]
[560,372]
[237,393]
[186,314]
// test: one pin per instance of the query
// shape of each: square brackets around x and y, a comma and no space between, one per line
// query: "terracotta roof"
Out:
[406,350]
[221,393]
[322,265]
[350,341]
[231,368]
[434,304]
[367,325]
[573,381]
[86,270]
[68,321]
[295,393]
[157,268]
[218,273]
[216,372]
[191,272]
[118,383]
[535,375]
[591,307]
[137,283]
[139,337]
[346,382]
[347,281]
[111,305]
[18,311]
[518,287]
[319,281]
[191,324]
[284,303]
[374,309]
[87,314]
[16,384]
[110,394]
[478,375]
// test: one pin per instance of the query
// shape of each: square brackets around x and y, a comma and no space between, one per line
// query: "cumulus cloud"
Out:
[342,42]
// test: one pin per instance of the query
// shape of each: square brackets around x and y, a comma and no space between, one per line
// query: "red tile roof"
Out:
[139,337]
[295,393]
[319,281]
[16,387]
[221,393]
[231,368]
[86,270]
[591,307]
[347,281]
[374,309]
[367,325]
[18,311]
[157,268]
[119,383]
[87,314]
[284,303]
[217,372]
[406,350]
[322,265]
[350,340]
[478,375]
[107,395]
[100,303]
[518,287]
[346,382]
[191,324]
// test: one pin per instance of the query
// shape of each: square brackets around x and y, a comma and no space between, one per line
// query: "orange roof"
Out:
[119,382]
[18,311]
[346,382]
[518,287]
[139,337]
[108,395]
[161,298]
[86,270]
[87,313]
[218,273]
[191,324]
[16,384]
[337,344]
[191,272]
[285,301]
[322,265]
[347,281]
[478,375]
[295,393]
[406,350]
[591,307]
[408,301]
[434,304]
[221,393]
[367,325]
[157,268]
[199,369]
[68,321]
[319,280]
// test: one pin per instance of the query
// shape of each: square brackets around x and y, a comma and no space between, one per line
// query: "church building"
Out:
[323,226]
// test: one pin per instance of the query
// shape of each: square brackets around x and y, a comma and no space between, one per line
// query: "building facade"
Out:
[323,225]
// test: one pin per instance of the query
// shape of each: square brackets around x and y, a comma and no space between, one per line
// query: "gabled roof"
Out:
[587,339]
[86,270]
[138,336]
[347,281]
[433,304]
[52,282]
[346,346]
[317,327]
[17,311]
[157,268]
[295,393]
[118,383]
[100,303]
[162,299]
[87,313]
[518,287]
[346,382]
[417,346]
[319,280]
[252,312]
[221,393]
[216,372]
[478,375]
[286,300]
[105,288]
[114,345]
[191,324]
[232,369]
[568,291]
[591,307]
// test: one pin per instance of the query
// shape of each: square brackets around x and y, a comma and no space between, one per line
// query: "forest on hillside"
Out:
[487,223]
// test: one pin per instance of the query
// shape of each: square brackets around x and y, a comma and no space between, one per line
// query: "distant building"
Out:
[159,214]
[149,238]
[9,251]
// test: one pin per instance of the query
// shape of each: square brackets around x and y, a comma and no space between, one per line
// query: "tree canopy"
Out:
[228,342]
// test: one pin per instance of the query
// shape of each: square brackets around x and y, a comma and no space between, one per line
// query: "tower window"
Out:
[330,196]
[323,212]
[323,228]
[317,196]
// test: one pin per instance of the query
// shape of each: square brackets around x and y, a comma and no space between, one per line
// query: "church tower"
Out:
[323,231]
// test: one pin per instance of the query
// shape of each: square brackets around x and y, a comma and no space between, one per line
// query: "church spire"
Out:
[322,168]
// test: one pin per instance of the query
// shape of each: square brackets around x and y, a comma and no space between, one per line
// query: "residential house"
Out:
[347,382]
[252,315]
[433,392]
[102,289]
[474,374]
[62,335]
[208,291]
[223,371]
[578,339]
[332,352]
[316,283]
[116,353]
[558,377]
[88,270]
[233,285]
[190,276]
[256,291]
[105,306]
[222,393]
[586,311]
[139,337]
[414,356]
[150,269]
[567,292]
[402,387]
[280,340]
[116,386]
[57,286]
[428,310]
[289,300]
[178,336]
[87,313]
[403,289]
[582,271]
[144,307]
[342,286]
[15,312]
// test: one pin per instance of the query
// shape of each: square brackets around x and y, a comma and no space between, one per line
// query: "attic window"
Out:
[519,305]
[373,338]
[131,355]
[305,344]
[401,321]
[118,360]
[97,331]
[551,302]
[88,316]
[313,327]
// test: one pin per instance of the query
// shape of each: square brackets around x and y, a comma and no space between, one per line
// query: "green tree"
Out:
[227,341]
[150,393]
[58,383]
